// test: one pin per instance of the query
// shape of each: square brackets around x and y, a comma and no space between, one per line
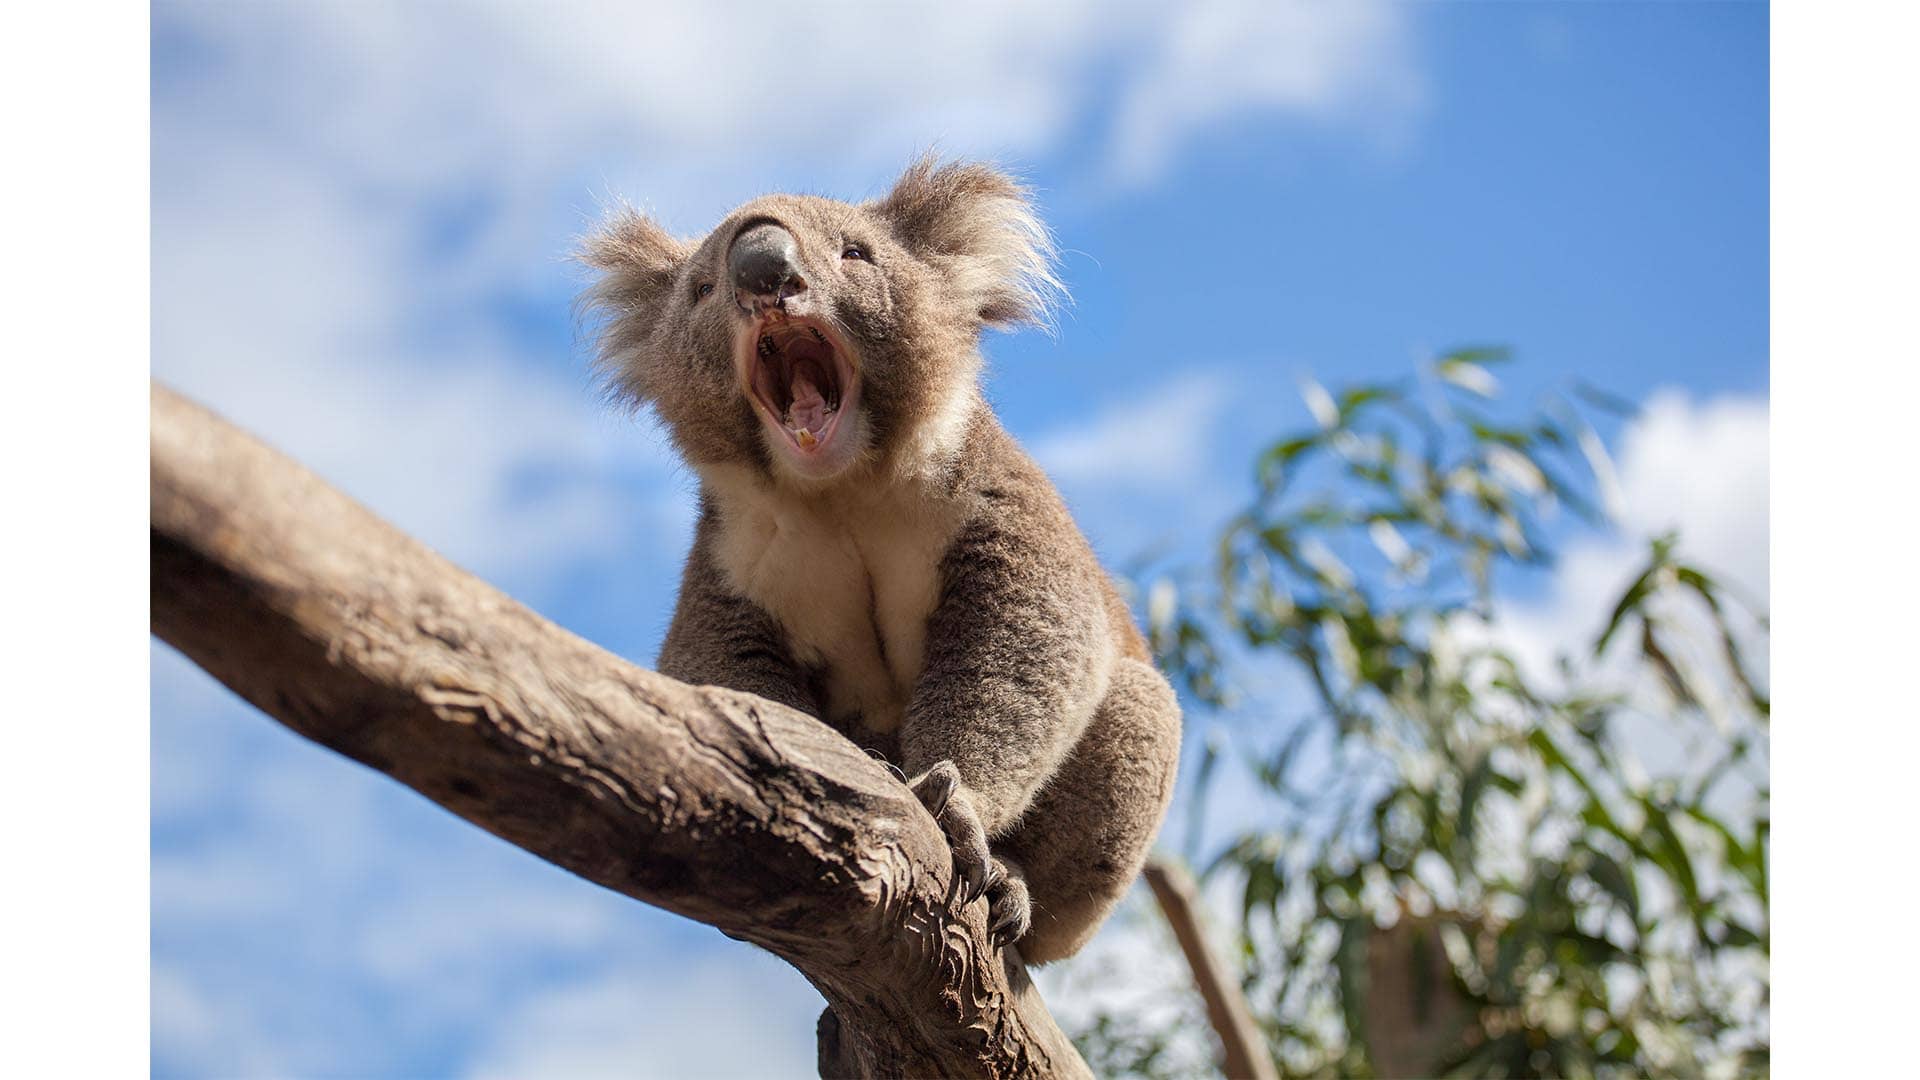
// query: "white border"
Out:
[73,431]
[1845,297]
[1846,170]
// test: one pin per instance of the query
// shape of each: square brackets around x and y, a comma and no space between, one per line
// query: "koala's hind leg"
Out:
[1086,836]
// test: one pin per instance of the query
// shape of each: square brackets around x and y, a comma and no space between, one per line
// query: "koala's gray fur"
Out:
[874,549]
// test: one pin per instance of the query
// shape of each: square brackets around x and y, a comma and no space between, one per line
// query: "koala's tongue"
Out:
[808,412]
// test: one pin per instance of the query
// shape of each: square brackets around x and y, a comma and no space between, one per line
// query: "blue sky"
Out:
[360,223]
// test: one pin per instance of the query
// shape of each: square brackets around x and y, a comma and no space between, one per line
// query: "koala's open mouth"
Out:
[801,378]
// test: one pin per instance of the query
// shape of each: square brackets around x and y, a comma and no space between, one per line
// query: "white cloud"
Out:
[294,894]
[1157,439]
[1347,61]
[283,303]
[303,151]
[428,935]
[260,785]
[185,776]
[1700,468]
[200,1036]
[740,1012]
[718,89]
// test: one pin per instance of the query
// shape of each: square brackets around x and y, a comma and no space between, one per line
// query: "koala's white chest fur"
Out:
[852,577]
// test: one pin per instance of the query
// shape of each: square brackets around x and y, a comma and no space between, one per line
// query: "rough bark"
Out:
[1243,1050]
[721,806]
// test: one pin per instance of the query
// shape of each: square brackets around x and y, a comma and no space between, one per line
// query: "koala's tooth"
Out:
[805,439]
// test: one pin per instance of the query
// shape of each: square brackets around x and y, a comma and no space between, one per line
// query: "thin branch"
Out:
[721,806]
[1243,1050]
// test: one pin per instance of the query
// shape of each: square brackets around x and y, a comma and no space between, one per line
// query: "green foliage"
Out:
[1118,1046]
[1463,847]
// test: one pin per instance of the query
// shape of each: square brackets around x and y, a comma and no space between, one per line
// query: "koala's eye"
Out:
[701,292]
[855,251]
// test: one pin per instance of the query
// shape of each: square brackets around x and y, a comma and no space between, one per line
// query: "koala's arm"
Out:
[720,638]
[1019,653]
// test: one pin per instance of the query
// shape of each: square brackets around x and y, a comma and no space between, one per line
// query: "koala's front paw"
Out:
[943,795]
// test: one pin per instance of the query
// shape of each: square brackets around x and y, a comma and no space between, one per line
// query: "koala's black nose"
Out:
[765,266]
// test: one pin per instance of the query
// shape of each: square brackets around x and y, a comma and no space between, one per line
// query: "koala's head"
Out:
[812,339]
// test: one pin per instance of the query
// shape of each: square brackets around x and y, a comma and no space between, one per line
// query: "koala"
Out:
[873,548]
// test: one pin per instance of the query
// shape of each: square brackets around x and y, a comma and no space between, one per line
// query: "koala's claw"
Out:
[976,872]
[940,791]
[1010,910]
[968,885]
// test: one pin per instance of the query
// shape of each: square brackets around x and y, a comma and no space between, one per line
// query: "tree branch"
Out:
[1243,1050]
[721,806]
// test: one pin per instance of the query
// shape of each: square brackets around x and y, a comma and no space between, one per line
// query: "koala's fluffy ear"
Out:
[978,224]
[636,261]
